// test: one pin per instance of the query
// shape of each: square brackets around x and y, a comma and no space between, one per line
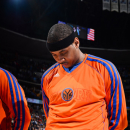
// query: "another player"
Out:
[12,103]
[80,91]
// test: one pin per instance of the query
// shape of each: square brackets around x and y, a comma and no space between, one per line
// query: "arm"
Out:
[115,99]
[13,96]
[44,86]
[45,99]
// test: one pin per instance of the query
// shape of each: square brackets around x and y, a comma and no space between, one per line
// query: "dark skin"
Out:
[70,55]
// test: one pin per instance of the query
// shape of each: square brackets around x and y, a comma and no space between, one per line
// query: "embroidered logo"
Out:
[67,94]
[56,75]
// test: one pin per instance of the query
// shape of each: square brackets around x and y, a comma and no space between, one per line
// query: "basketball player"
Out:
[80,91]
[12,103]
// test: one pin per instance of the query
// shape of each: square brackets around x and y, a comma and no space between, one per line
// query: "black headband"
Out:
[61,44]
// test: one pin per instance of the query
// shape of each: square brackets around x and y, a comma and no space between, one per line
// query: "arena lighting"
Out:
[17,5]
[17,1]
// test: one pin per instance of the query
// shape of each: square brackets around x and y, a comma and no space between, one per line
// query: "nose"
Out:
[61,59]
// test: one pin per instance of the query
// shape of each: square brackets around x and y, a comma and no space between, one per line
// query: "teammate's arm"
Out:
[13,96]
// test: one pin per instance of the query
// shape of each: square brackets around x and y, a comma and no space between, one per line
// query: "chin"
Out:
[67,66]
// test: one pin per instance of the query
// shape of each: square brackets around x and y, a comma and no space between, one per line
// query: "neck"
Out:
[81,57]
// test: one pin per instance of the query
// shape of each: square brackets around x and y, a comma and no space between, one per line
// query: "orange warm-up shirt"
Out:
[90,96]
[12,103]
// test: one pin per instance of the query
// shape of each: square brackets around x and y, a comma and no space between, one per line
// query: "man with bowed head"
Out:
[12,103]
[80,91]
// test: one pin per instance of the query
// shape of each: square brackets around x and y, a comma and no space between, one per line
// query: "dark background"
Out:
[24,25]
[34,18]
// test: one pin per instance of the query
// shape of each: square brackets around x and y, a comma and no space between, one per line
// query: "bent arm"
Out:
[115,99]
[13,95]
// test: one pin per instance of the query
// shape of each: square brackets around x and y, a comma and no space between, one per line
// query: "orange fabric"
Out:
[13,102]
[82,99]
[5,120]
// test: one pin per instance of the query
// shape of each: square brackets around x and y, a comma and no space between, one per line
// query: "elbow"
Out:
[27,115]
[28,118]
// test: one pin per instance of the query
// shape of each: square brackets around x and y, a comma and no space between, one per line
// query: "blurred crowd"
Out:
[38,120]
[33,92]
[124,72]
[23,67]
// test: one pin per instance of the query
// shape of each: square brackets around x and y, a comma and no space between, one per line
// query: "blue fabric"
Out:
[23,108]
[120,104]
[72,68]
[18,103]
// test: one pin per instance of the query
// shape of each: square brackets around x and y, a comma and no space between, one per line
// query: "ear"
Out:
[76,42]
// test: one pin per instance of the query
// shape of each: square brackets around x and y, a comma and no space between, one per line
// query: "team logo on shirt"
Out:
[67,94]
